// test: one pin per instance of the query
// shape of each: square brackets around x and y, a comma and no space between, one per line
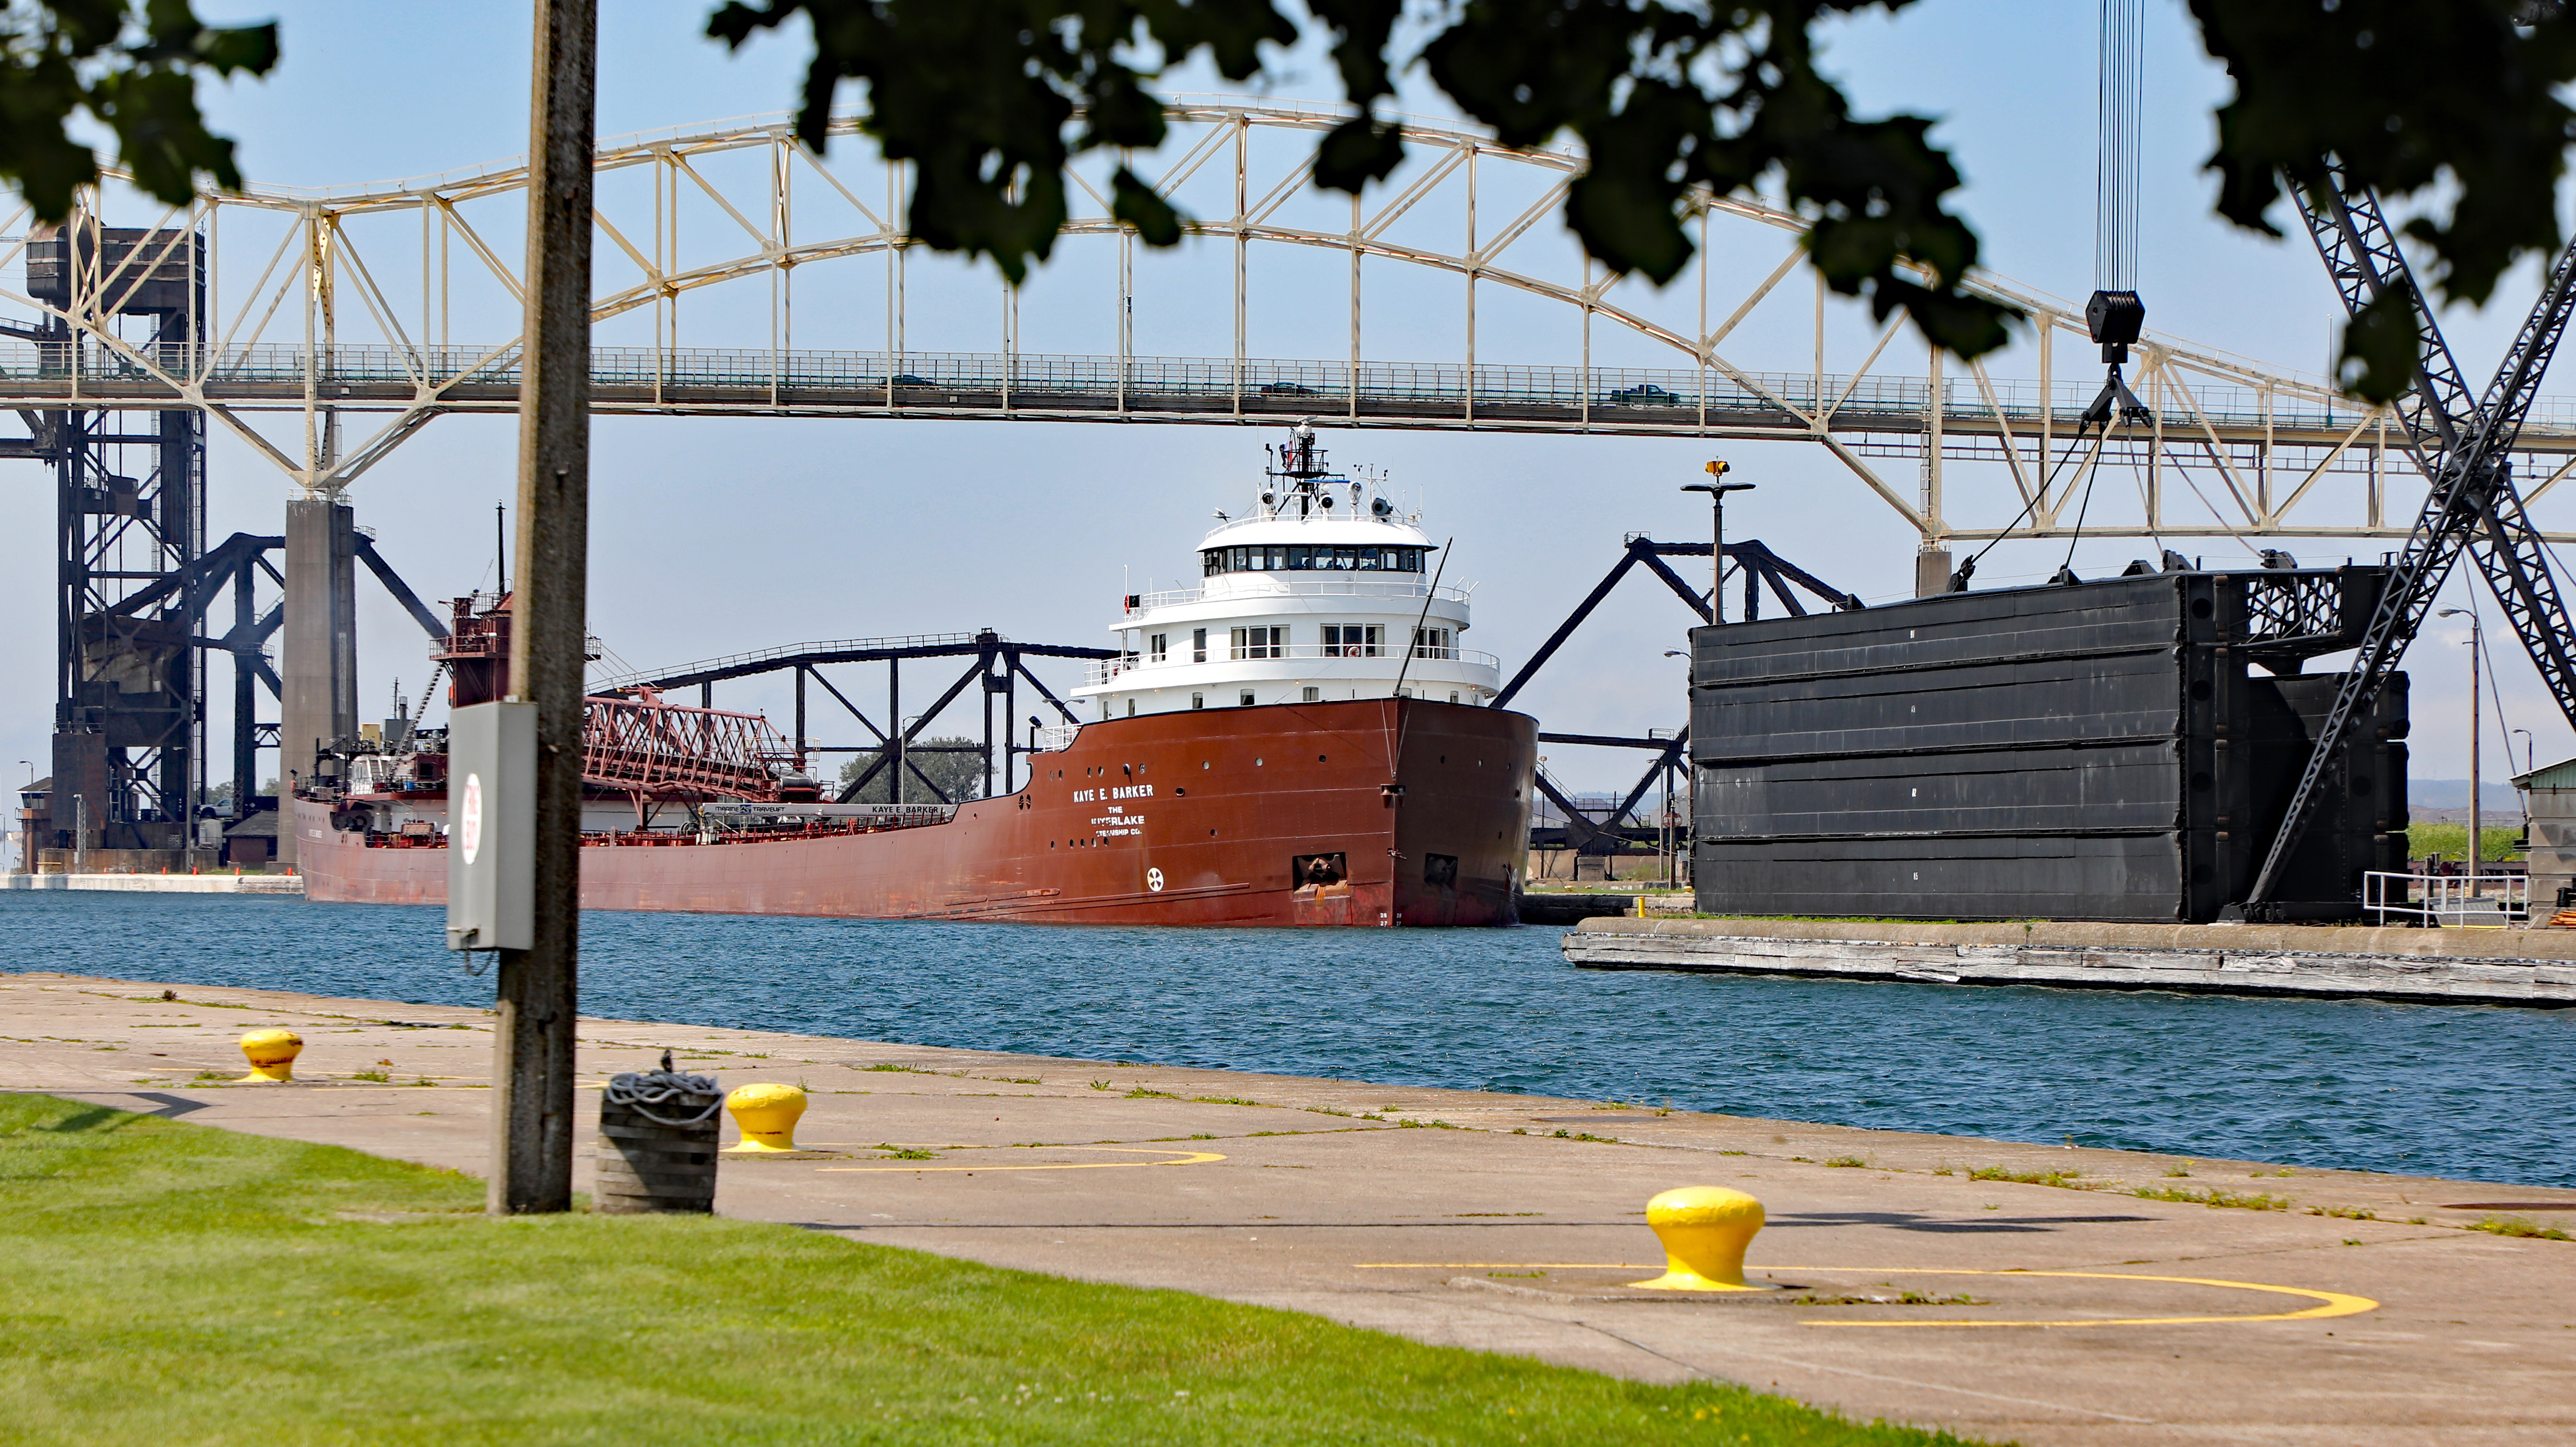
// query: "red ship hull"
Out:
[1204,817]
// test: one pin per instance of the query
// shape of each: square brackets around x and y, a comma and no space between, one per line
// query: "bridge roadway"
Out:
[1716,403]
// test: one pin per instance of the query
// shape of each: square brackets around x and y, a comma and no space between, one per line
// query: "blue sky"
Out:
[715,536]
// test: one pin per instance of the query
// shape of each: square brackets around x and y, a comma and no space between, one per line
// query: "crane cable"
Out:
[1969,568]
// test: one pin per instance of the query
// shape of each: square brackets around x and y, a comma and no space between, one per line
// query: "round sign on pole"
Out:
[469,819]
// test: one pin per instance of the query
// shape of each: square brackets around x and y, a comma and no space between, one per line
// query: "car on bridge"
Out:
[1644,394]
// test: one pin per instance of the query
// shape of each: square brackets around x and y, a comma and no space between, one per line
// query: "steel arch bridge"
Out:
[314,312]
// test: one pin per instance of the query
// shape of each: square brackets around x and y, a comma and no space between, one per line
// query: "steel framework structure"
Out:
[1754,564]
[657,750]
[996,668]
[2257,453]
[285,316]
[2464,443]
[129,734]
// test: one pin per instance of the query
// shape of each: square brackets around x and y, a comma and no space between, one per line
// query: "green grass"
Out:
[2222,1200]
[2517,1226]
[2064,1179]
[2451,841]
[171,1285]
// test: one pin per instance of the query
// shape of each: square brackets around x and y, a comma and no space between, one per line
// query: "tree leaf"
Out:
[2381,348]
[132,65]
[1358,151]
[2454,100]
[1137,204]
[990,99]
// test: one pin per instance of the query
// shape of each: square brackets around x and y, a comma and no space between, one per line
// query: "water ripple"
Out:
[2450,1090]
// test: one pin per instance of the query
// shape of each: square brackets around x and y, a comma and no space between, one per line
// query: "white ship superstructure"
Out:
[1324,593]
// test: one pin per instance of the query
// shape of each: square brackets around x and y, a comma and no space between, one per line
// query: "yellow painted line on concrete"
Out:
[1504,1266]
[1187,1158]
[2329,1303]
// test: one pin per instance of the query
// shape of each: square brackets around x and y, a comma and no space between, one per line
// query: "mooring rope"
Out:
[695,1098]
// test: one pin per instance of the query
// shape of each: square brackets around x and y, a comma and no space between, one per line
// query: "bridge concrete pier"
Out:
[318,664]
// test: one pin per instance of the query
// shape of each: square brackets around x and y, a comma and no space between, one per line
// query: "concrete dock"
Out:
[2002,1291]
[2427,966]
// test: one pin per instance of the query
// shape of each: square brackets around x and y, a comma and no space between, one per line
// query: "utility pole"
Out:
[2477,643]
[532,1078]
[1717,488]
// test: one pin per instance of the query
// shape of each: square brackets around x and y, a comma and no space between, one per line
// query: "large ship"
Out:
[1300,739]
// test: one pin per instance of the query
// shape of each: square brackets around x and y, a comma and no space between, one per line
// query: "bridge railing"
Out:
[1045,381]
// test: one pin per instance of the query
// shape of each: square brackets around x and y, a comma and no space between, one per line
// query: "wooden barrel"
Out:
[657,1144]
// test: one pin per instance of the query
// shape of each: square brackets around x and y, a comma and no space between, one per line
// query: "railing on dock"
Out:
[2437,899]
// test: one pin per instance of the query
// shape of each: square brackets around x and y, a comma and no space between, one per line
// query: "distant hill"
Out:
[2454,794]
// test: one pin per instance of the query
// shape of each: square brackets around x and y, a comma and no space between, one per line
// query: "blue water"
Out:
[2463,1091]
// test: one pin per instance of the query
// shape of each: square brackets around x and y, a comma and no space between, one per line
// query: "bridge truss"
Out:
[741,274]
[337,308]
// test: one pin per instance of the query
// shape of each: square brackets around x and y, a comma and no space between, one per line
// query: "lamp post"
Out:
[1680,837]
[2477,649]
[2523,802]
[1717,488]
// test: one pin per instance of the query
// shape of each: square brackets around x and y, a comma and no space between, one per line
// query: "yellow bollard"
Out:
[1704,1230]
[271,1054]
[767,1115]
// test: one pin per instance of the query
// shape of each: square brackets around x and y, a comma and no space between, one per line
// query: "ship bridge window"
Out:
[1302,559]
[1353,640]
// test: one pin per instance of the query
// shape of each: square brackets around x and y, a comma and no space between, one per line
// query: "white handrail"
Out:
[1257,587]
[1106,670]
[2445,899]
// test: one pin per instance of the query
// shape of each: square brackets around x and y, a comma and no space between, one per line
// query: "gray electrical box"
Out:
[491,826]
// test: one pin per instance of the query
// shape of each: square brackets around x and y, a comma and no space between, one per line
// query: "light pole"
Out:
[1717,488]
[1664,821]
[2476,649]
[1677,835]
[2522,802]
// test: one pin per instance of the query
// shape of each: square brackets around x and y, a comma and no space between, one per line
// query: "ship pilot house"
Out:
[1324,592]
